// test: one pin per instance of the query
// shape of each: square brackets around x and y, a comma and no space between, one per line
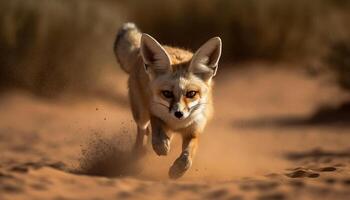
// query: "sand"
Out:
[267,141]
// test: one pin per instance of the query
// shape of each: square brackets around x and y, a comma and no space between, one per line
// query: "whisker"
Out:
[161,104]
[196,107]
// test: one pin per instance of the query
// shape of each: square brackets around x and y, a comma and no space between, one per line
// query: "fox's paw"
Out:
[161,146]
[180,166]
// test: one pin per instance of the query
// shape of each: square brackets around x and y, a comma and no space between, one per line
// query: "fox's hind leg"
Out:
[139,146]
[142,120]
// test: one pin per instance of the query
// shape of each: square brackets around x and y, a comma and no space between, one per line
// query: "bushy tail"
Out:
[127,45]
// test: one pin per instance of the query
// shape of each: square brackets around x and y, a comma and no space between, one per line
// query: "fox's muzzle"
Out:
[177,110]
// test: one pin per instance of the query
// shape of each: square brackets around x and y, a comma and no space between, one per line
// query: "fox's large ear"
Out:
[154,56]
[205,61]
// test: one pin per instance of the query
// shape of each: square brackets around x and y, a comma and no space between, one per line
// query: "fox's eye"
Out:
[167,94]
[191,94]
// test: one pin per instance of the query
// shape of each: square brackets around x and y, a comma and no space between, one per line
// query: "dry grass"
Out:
[251,29]
[53,46]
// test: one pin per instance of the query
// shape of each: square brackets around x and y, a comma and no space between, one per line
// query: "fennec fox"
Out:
[170,89]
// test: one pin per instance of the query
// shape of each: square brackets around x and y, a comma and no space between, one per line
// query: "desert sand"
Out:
[267,141]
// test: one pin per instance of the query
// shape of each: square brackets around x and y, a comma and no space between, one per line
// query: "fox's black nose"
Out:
[178,114]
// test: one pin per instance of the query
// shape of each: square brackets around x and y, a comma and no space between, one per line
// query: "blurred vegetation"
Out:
[339,61]
[51,46]
[251,29]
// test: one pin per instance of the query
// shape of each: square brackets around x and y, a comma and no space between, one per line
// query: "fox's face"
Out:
[179,94]
[180,90]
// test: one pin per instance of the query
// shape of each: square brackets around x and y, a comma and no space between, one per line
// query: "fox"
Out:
[170,91]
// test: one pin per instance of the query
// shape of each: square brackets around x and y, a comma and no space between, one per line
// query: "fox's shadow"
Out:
[325,116]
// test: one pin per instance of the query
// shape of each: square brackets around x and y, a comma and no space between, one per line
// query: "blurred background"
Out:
[50,47]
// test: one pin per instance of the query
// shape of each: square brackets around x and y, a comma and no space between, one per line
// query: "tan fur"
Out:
[147,85]
[177,55]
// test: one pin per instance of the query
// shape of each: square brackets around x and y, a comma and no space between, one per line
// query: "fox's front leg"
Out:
[160,140]
[184,161]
